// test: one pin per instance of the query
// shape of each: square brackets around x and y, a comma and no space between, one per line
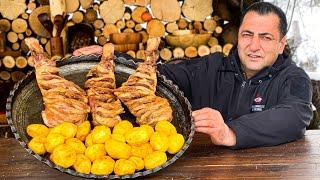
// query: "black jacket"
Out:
[271,108]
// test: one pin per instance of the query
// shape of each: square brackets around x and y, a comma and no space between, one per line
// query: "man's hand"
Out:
[210,121]
[94,49]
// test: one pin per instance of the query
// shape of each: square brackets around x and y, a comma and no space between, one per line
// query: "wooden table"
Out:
[296,160]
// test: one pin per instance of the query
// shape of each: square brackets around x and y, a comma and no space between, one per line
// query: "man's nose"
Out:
[255,43]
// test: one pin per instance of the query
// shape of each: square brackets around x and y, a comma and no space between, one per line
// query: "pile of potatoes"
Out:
[123,150]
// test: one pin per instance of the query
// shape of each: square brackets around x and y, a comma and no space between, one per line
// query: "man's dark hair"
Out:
[264,8]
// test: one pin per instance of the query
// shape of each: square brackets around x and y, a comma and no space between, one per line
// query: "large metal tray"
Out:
[25,104]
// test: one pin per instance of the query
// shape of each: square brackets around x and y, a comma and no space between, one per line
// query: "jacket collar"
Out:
[282,61]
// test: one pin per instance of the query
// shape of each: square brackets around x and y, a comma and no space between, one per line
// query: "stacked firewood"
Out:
[188,29]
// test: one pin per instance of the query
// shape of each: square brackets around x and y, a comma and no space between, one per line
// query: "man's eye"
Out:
[246,35]
[266,38]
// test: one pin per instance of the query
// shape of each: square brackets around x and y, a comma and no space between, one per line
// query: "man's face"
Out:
[259,41]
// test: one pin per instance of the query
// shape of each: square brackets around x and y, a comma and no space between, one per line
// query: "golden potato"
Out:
[166,128]
[35,130]
[138,162]
[148,128]
[77,145]
[159,142]
[67,129]
[88,141]
[95,151]
[141,151]
[82,164]
[118,137]
[122,127]
[137,136]
[64,155]
[102,166]
[124,167]
[155,159]
[53,140]
[37,145]
[100,134]
[83,130]
[176,141]
[117,149]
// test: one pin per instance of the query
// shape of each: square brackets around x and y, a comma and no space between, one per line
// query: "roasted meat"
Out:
[105,107]
[138,92]
[64,101]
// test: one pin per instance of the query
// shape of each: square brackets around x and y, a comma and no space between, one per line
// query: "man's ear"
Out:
[282,45]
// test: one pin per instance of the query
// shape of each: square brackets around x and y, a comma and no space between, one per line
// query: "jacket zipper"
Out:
[243,85]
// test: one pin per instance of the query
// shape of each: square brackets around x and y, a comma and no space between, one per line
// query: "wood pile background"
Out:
[189,28]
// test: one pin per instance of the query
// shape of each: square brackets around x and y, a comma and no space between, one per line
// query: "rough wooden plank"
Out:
[202,160]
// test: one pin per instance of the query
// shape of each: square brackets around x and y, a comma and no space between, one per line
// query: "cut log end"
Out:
[226,49]
[165,54]
[8,62]
[203,50]
[178,52]
[191,52]
[21,62]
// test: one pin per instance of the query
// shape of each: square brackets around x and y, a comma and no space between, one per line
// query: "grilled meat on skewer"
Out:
[138,92]
[64,101]
[105,106]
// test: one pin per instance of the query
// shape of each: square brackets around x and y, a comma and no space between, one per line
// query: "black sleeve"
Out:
[179,74]
[185,73]
[282,123]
